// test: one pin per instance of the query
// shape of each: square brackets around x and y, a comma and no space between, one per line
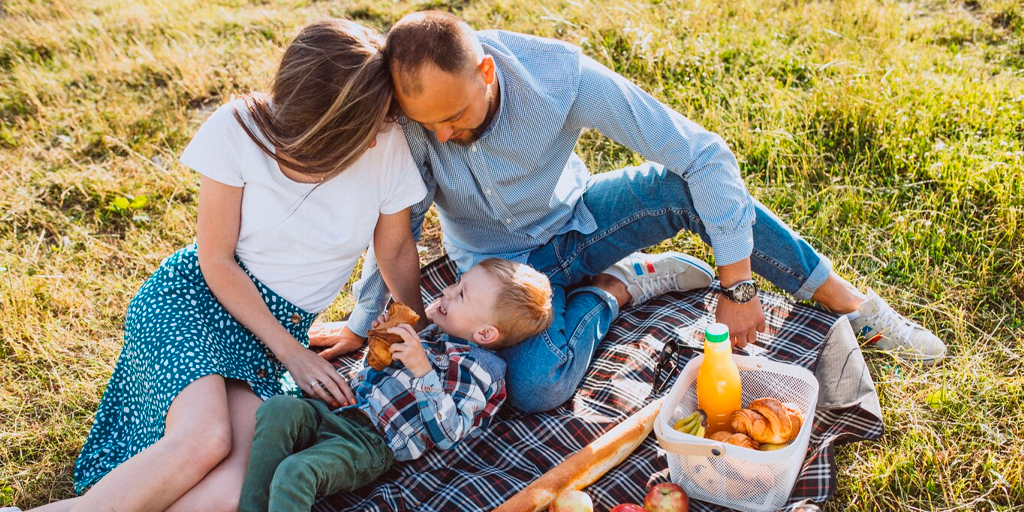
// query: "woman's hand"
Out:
[318,378]
[411,352]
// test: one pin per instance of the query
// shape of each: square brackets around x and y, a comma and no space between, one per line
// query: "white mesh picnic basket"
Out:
[727,475]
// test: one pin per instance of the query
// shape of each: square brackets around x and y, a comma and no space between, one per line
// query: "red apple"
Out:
[628,507]
[667,497]
[572,501]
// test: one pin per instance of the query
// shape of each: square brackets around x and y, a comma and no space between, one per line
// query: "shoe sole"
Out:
[906,356]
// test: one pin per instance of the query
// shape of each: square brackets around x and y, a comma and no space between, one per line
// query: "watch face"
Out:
[743,292]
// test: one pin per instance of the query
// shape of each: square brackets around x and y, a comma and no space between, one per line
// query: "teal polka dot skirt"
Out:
[176,332]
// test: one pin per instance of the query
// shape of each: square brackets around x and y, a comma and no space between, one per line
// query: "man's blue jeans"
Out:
[635,208]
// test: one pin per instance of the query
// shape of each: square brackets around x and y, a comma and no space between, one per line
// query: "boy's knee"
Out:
[296,475]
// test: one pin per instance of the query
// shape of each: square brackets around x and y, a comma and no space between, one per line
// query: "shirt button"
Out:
[427,388]
[474,148]
[261,373]
[296,319]
[508,221]
[440,416]
[488,191]
[438,359]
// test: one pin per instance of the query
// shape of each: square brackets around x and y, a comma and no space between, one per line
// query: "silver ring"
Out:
[313,383]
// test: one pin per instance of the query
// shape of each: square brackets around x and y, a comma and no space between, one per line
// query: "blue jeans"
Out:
[635,208]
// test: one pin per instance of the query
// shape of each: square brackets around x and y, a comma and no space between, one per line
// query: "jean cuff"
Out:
[607,297]
[815,280]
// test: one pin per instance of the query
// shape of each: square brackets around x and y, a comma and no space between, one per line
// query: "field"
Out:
[890,134]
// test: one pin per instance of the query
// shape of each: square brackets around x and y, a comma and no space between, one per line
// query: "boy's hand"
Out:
[380,319]
[411,352]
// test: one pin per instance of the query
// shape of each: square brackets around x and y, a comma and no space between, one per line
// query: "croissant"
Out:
[737,439]
[768,420]
[379,353]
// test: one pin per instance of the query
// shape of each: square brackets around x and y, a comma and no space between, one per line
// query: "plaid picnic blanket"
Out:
[636,363]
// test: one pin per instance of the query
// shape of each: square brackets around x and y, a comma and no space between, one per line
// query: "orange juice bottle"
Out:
[718,380]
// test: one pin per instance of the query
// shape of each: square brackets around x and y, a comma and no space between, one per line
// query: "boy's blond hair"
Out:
[523,306]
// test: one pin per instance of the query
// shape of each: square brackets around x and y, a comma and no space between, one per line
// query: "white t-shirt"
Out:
[300,242]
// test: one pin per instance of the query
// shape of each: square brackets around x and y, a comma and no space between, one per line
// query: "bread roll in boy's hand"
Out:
[380,340]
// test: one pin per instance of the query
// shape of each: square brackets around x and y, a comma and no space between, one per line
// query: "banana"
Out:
[701,429]
[685,425]
[688,423]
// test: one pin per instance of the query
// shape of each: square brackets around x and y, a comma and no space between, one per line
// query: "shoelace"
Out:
[892,323]
[654,285]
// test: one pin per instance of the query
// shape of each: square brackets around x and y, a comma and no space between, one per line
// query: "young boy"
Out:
[438,390]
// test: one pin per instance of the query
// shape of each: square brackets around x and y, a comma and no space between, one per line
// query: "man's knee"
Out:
[539,395]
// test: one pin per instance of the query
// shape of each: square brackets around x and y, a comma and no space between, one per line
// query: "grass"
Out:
[890,134]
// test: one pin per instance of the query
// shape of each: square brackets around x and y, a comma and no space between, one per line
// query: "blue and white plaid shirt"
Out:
[521,183]
[414,414]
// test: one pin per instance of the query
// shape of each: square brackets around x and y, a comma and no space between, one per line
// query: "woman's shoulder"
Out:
[221,148]
[390,156]
[225,119]
[391,138]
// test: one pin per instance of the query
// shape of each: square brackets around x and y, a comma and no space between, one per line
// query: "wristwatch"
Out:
[741,292]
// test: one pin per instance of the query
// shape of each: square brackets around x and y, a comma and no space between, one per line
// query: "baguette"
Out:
[587,465]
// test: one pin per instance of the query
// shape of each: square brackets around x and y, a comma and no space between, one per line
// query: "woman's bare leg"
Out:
[58,506]
[222,487]
[197,439]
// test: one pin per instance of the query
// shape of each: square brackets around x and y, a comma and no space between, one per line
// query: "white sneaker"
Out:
[650,275]
[885,329]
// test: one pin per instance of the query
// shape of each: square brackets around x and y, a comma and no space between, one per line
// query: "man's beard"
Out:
[474,134]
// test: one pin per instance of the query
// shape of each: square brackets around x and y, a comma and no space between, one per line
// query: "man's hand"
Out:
[411,352]
[335,335]
[744,320]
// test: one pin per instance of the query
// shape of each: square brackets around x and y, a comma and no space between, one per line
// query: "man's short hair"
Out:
[523,306]
[430,37]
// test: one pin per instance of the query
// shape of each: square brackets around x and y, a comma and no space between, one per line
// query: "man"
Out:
[494,117]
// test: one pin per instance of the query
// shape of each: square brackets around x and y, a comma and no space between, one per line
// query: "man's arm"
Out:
[623,112]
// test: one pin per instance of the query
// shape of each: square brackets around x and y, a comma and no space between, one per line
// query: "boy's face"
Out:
[466,308]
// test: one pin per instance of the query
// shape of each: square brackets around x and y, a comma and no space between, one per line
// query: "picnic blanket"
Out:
[636,363]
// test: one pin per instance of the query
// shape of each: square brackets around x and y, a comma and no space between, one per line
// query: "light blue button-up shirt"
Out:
[520,185]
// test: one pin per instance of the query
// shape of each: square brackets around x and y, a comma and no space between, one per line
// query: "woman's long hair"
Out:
[330,98]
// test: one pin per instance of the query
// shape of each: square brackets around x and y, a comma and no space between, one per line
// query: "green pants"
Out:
[302,448]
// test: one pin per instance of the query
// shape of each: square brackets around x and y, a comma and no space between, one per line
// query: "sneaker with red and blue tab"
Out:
[649,275]
[882,328]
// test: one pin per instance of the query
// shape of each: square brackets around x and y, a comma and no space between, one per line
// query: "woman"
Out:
[294,185]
